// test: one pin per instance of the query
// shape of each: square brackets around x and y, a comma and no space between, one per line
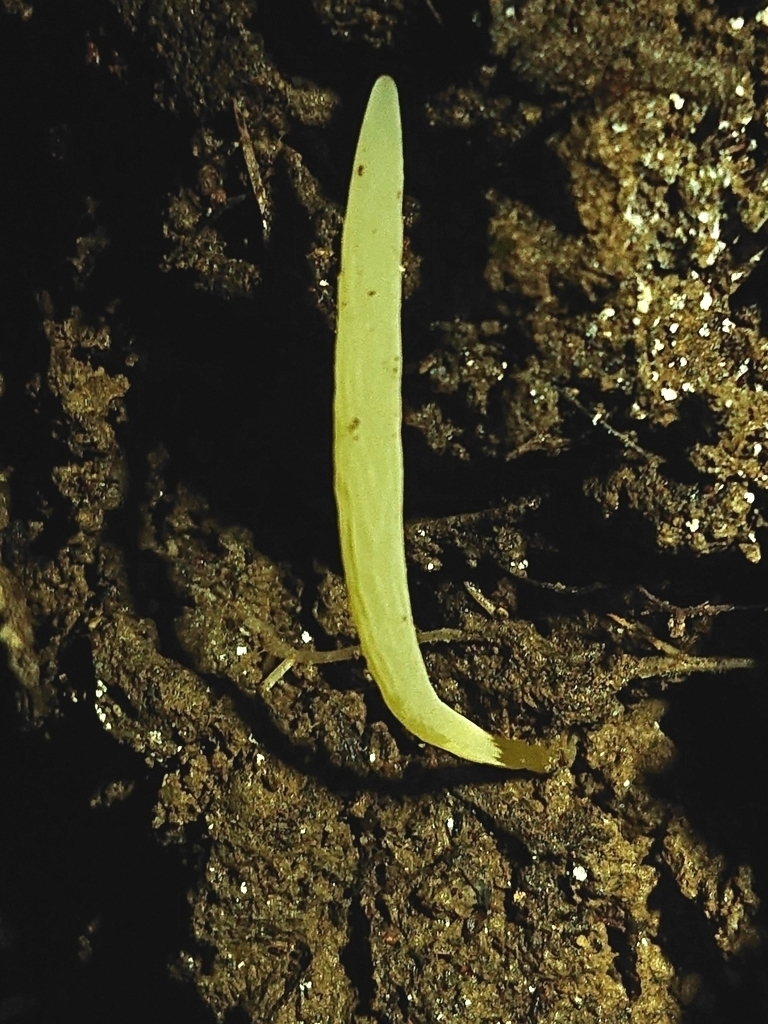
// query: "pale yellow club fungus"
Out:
[368,451]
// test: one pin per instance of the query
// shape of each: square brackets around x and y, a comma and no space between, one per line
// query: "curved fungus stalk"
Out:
[368,452]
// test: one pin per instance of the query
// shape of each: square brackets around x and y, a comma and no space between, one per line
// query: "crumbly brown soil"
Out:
[192,832]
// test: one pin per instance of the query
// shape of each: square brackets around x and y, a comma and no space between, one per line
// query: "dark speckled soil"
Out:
[190,832]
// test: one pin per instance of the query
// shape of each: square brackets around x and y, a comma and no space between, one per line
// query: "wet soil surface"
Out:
[195,830]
